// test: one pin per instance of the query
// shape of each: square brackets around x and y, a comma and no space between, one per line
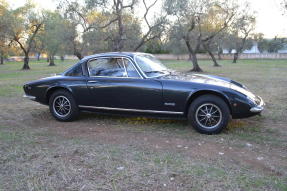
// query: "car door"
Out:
[115,83]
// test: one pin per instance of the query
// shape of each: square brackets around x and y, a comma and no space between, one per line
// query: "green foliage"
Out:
[56,34]
[104,39]
[22,26]
[272,46]
[155,47]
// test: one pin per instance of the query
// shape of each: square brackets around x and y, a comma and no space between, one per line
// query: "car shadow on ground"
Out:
[130,121]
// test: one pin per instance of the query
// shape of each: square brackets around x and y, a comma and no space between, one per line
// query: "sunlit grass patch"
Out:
[145,120]
[233,124]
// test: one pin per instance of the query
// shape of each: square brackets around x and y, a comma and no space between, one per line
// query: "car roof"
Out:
[129,54]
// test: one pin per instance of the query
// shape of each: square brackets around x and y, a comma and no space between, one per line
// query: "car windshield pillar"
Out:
[150,66]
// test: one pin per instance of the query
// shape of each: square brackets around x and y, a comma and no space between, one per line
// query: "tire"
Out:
[63,106]
[208,114]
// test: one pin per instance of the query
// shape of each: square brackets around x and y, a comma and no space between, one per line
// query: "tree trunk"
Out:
[26,62]
[192,56]
[213,59]
[219,56]
[189,57]
[52,62]
[62,58]
[207,48]
[78,54]
[219,52]
[196,67]
[38,56]
[121,31]
[1,60]
[235,57]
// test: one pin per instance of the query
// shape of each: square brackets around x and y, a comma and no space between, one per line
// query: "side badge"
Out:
[169,104]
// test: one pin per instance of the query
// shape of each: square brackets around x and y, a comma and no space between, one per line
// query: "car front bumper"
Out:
[259,107]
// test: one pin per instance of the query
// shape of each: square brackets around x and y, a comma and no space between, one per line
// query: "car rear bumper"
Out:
[258,108]
[29,97]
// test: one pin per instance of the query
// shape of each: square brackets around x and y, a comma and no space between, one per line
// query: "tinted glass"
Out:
[131,71]
[112,67]
[150,65]
[77,71]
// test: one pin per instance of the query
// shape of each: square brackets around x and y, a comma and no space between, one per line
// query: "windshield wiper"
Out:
[155,71]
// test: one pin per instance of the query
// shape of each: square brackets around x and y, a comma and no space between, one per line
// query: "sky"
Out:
[270,19]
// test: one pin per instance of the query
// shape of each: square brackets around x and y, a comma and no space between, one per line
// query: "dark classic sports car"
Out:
[139,83]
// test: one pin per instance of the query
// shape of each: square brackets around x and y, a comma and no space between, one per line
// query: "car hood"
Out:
[211,80]
[201,78]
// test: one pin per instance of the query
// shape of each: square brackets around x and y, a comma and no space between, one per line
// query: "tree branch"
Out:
[16,39]
[146,37]
[38,26]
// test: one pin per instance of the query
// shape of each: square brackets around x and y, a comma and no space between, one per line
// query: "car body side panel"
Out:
[176,95]
[127,93]
[41,88]
[77,86]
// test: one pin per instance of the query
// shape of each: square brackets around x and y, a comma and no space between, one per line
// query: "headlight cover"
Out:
[250,96]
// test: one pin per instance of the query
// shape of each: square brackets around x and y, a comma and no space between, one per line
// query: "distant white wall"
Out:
[224,56]
[254,50]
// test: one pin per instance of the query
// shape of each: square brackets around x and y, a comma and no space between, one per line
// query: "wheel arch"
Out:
[199,93]
[52,89]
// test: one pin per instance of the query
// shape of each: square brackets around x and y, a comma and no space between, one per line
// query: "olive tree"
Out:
[25,24]
[241,29]
[55,34]
[77,16]
[198,22]
[95,17]
[4,23]
[104,39]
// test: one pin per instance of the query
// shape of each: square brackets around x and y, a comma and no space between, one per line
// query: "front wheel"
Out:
[63,106]
[209,114]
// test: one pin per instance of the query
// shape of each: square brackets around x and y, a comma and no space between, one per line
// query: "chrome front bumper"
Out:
[258,108]
[29,97]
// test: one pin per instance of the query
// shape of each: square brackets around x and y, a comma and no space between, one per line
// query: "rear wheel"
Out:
[63,106]
[209,114]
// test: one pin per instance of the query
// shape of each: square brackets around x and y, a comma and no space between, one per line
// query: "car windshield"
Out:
[151,66]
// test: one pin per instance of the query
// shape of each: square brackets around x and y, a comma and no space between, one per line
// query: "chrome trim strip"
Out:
[29,97]
[135,110]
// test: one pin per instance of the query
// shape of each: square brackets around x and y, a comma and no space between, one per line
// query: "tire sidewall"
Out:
[220,103]
[74,108]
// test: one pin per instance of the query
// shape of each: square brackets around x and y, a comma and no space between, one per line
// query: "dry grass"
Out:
[100,152]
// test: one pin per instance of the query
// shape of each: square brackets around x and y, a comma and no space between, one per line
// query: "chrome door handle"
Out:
[93,81]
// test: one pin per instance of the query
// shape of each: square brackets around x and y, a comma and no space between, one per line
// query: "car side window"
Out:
[111,67]
[130,69]
[77,71]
